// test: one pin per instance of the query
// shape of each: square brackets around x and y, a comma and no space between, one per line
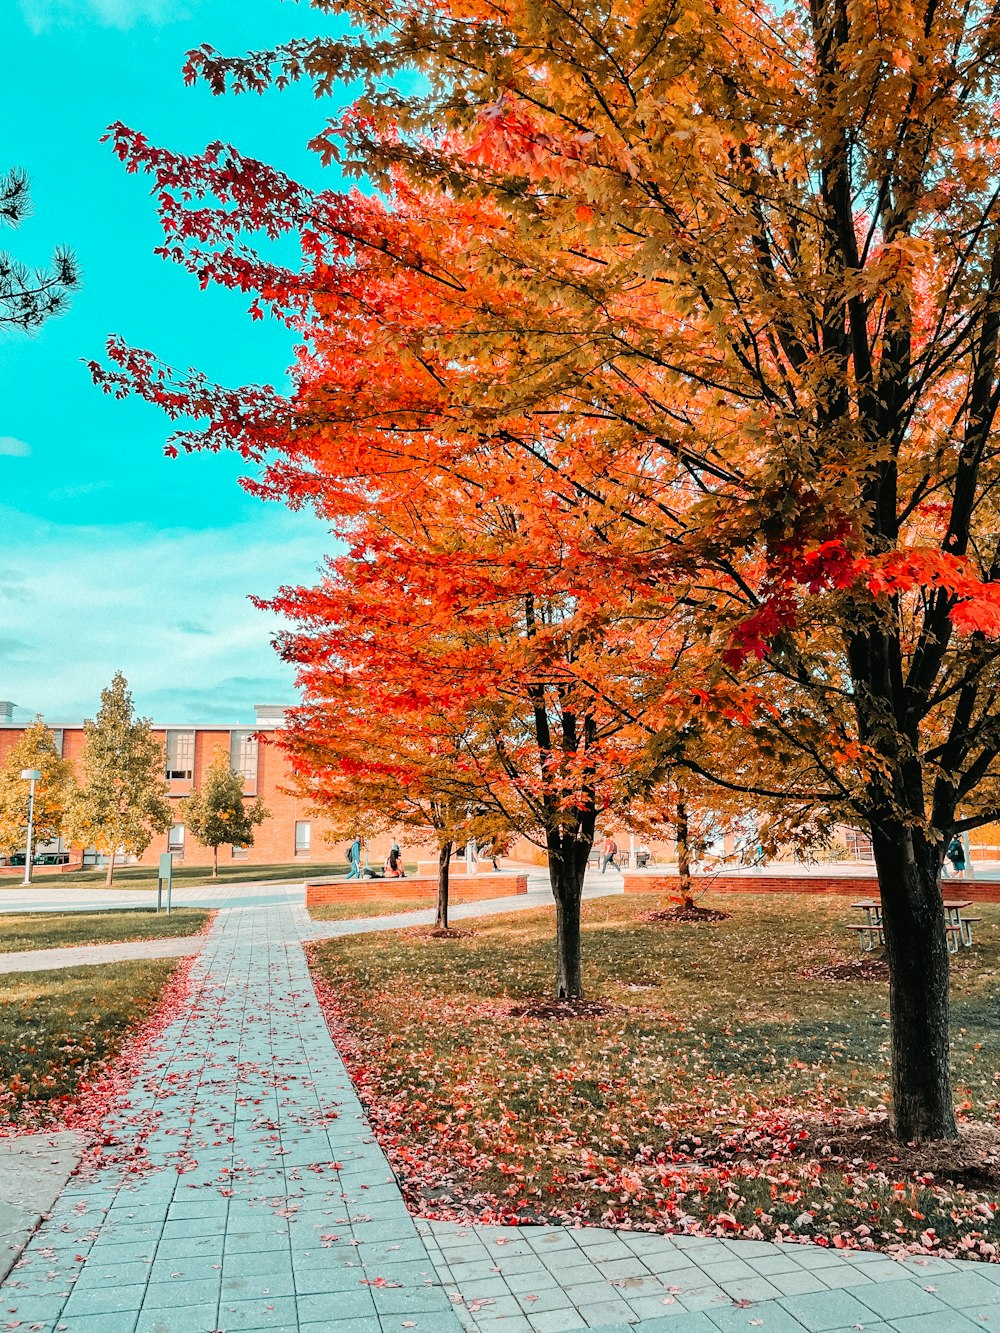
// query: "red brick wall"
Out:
[854,886]
[71,868]
[274,840]
[470,890]
[768,883]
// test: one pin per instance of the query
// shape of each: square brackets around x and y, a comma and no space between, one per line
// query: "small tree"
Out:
[28,298]
[35,748]
[123,800]
[367,766]
[217,812]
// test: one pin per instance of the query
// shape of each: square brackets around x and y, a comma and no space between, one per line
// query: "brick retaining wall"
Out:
[470,889]
[854,886]
[70,868]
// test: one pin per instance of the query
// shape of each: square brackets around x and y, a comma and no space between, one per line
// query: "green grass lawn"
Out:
[144,877]
[61,1028]
[371,907]
[683,1100]
[53,930]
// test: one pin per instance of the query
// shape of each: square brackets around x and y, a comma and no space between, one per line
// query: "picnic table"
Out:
[957,927]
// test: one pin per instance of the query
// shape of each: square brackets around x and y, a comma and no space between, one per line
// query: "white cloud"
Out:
[41,15]
[79,492]
[83,602]
[10,447]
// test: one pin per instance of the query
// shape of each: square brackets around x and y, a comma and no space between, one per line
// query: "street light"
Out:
[31,776]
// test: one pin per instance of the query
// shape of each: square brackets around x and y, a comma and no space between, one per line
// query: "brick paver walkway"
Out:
[558,1280]
[261,1200]
[244,1190]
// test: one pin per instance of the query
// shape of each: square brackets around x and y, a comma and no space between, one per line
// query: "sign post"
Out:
[165,876]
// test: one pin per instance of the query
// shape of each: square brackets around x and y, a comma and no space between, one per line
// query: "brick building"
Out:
[289,834]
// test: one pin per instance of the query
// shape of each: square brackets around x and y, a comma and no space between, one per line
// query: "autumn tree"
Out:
[122,801]
[441,690]
[720,294]
[372,773]
[34,748]
[28,297]
[217,812]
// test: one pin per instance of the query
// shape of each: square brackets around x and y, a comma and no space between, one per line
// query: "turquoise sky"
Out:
[112,556]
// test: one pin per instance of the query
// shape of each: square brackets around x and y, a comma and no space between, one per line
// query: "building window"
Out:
[180,754]
[57,739]
[243,756]
[175,839]
[240,853]
[303,837]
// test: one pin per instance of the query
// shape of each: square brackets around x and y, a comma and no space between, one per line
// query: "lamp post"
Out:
[31,776]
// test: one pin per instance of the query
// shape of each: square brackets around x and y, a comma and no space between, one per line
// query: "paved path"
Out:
[242,1189]
[41,960]
[59,898]
[34,1169]
[539,895]
[83,955]
[260,1199]
[252,893]
[560,1279]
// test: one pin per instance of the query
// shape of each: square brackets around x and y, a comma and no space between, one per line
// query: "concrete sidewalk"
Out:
[56,898]
[39,960]
[536,897]
[92,955]
[34,1169]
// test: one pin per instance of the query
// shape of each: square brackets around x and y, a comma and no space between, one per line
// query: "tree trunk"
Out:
[215,862]
[683,855]
[444,865]
[909,874]
[111,871]
[568,850]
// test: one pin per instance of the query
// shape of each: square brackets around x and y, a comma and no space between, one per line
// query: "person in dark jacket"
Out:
[956,855]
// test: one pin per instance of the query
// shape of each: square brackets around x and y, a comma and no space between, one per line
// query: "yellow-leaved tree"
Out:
[123,801]
[35,748]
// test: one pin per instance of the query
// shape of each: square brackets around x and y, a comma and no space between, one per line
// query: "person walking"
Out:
[494,849]
[354,859]
[609,850]
[956,855]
